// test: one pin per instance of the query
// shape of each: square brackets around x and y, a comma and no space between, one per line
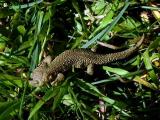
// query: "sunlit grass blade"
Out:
[11,80]
[149,67]
[113,79]
[145,83]
[107,29]
[17,7]
[118,71]
[35,57]
[38,25]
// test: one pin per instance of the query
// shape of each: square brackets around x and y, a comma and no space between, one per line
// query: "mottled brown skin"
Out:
[52,70]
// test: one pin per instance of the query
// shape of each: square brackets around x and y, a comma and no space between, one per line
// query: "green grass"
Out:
[128,89]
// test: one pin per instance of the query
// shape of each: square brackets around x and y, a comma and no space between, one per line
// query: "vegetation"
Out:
[127,89]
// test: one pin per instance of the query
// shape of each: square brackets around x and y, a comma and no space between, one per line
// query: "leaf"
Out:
[105,31]
[11,80]
[5,12]
[149,67]
[78,27]
[25,45]
[48,95]
[112,79]
[6,108]
[105,21]
[99,6]
[108,15]
[155,44]
[145,83]
[67,100]
[39,22]
[2,46]
[35,58]
[58,97]
[21,29]
[89,88]
[30,4]
[3,38]
[127,25]
[116,70]
[77,8]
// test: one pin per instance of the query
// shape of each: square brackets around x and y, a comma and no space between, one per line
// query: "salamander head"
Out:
[38,77]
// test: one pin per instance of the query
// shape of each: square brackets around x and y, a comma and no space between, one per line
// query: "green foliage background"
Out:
[31,30]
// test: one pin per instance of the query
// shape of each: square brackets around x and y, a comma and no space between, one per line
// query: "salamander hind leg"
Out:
[90,69]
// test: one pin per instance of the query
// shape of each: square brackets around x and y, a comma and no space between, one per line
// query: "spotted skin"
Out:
[52,70]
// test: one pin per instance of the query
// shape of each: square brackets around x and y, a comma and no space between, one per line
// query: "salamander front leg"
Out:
[59,78]
[78,64]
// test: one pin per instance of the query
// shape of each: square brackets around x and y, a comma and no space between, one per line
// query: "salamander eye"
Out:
[50,77]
